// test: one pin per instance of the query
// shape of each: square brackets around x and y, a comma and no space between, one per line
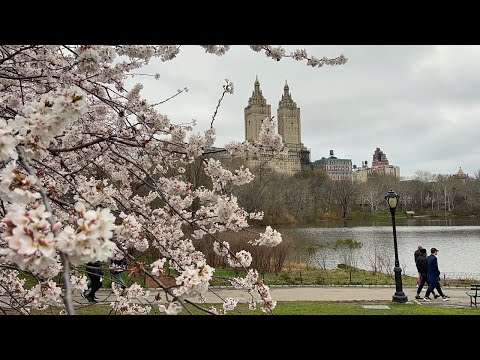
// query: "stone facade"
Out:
[379,158]
[380,166]
[360,174]
[389,170]
[460,176]
[289,127]
[336,169]
[256,111]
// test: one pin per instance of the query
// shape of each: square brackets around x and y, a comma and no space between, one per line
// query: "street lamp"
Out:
[400,297]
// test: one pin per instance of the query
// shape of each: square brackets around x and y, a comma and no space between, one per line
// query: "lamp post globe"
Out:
[392,200]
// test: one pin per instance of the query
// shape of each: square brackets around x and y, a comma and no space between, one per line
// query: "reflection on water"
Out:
[459,246]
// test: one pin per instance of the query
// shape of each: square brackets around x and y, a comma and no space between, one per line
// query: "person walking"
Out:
[434,276]
[117,267]
[422,268]
[415,257]
[95,273]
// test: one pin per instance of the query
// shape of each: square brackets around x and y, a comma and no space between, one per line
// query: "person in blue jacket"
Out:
[117,266]
[422,267]
[433,275]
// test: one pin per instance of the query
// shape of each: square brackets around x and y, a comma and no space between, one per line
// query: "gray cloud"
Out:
[419,104]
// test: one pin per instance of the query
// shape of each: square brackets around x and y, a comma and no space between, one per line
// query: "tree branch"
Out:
[64,257]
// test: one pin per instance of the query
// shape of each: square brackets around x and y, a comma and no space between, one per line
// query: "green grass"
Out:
[107,279]
[355,308]
[316,277]
[302,276]
[312,308]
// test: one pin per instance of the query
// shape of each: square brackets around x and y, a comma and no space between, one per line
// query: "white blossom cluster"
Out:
[194,280]
[79,283]
[220,176]
[131,301]
[173,308]
[236,147]
[269,238]
[43,295]
[15,187]
[89,166]
[269,139]
[90,241]
[12,286]
[229,304]
[50,271]
[44,119]
[216,49]
[11,283]
[221,249]
[251,283]
[277,53]
[224,214]
[267,303]
[228,87]
[130,233]
[242,259]
[157,266]
[8,141]
[29,237]
[94,191]
[89,60]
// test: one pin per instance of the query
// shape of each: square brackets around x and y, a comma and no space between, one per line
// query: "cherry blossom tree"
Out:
[75,143]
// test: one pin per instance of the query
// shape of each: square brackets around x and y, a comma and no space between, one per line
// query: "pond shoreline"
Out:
[458,244]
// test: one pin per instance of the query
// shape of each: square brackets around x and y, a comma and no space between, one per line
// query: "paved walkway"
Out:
[458,298]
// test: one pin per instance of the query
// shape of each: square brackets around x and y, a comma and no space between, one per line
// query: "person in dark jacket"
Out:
[417,253]
[95,273]
[415,257]
[434,276]
[422,268]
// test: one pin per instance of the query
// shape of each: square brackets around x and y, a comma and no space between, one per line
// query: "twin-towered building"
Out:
[298,156]
[289,127]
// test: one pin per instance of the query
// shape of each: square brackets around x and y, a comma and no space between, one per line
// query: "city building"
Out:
[336,169]
[460,176]
[380,166]
[360,174]
[297,156]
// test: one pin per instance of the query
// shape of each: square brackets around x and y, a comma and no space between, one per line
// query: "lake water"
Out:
[458,242]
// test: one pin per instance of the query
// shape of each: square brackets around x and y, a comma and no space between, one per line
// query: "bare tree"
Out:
[344,192]
[347,249]
[423,178]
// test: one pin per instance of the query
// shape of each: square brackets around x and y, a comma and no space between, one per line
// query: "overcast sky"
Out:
[419,104]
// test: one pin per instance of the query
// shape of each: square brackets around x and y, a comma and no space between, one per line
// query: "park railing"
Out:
[458,278]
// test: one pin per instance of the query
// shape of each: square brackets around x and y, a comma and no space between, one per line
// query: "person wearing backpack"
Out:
[422,267]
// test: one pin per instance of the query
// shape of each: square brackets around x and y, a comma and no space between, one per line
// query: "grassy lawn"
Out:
[297,274]
[316,277]
[313,308]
